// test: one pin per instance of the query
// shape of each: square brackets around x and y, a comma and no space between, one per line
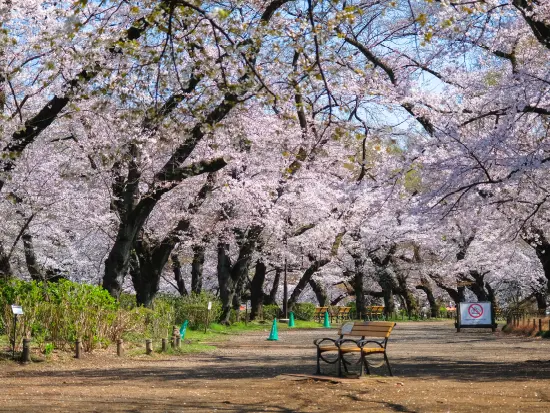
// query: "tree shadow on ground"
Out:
[248,367]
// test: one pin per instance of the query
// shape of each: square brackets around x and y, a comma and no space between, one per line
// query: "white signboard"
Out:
[209,305]
[472,314]
[17,309]
[346,328]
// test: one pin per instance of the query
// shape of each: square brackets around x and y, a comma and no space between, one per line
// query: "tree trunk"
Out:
[272,298]
[425,286]
[178,276]
[408,298]
[542,249]
[232,278]
[338,299]
[358,286]
[458,295]
[34,268]
[197,268]
[491,295]
[257,290]
[304,281]
[320,292]
[133,218]
[238,296]
[5,267]
[541,300]
[478,287]
[225,281]
[387,284]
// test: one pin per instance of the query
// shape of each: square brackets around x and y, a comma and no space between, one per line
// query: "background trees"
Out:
[397,146]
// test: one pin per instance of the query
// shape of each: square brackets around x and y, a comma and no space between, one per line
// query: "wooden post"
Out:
[77,348]
[173,342]
[26,355]
[164,346]
[148,346]
[540,325]
[119,348]
[534,325]
[178,341]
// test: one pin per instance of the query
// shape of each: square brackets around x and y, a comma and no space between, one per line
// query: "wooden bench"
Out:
[374,311]
[340,313]
[319,313]
[362,343]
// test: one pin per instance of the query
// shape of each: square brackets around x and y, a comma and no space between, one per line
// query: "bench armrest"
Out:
[347,340]
[363,343]
[318,341]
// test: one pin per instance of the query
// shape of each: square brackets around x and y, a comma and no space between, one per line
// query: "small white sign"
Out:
[209,305]
[472,314]
[17,309]
[346,328]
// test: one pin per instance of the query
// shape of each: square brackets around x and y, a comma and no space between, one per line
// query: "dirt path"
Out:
[436,370]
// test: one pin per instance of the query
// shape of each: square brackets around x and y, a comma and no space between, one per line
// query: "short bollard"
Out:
[26,355]
[540,325]
[119,348]
[173,342]
[534,325]
[164,344]
[77,349]
[178,341]
[148,346]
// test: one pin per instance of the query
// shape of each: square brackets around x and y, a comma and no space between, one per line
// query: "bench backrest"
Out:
[375,309]
[320,310]
[343,310]
[380,329]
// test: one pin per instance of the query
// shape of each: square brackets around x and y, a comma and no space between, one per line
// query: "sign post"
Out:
[475,315]
[16,310]
[208,309]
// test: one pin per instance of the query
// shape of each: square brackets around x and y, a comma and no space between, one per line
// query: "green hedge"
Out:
[304,311]
[194,308]
[271,311]
[61,312]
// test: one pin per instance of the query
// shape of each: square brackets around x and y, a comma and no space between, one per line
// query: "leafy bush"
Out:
[48,349]
[59,312]
[194,308]
[161,318]
[271,311]
[304,311]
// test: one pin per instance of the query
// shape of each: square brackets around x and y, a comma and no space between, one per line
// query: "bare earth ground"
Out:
[436,370]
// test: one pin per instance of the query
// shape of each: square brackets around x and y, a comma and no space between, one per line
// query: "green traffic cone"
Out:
[273,336]
[291,319]
[327,322]
[183,329]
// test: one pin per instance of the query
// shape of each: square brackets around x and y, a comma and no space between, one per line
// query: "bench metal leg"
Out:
[366,364]
[318,362]
[362,367]
[388,363]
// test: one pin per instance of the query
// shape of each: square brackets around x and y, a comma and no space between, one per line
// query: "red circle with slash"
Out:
[475,310]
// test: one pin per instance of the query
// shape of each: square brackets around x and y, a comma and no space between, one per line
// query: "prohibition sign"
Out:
[475,310]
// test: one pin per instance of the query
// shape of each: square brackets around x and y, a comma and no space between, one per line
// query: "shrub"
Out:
[59,312]
[194,308]
[304,311]
[271,311]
